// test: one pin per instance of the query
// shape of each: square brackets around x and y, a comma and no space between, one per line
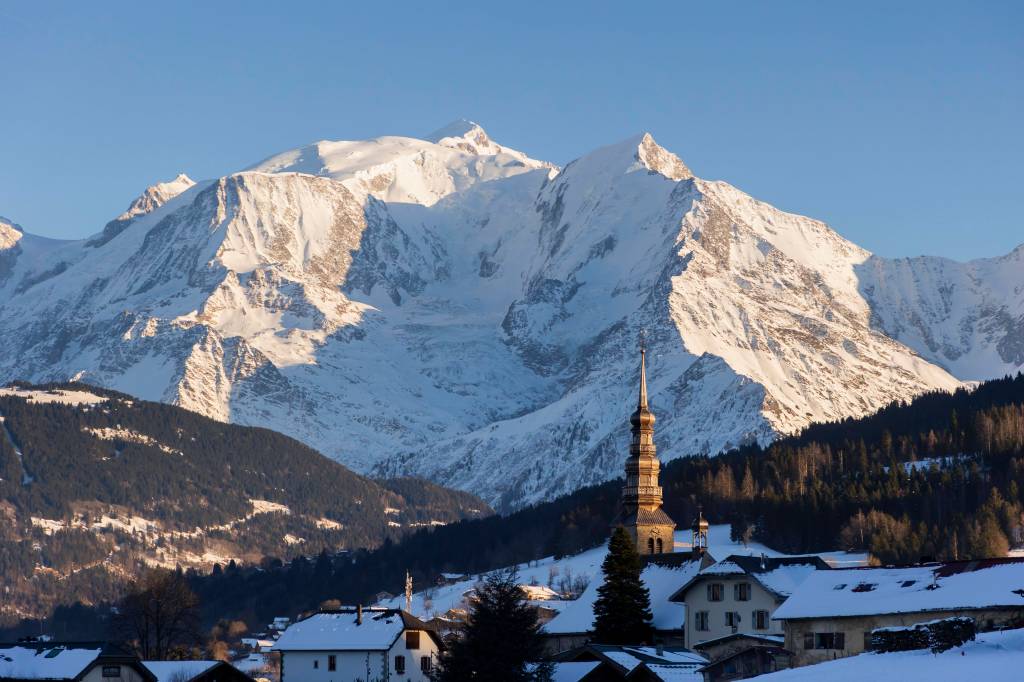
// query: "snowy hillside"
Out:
[451,308]
[577,615]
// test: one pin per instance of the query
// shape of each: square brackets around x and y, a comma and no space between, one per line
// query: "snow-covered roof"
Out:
[667,663]
[779,575]
[572,671]
[251,663]
[539,593]
[45,662]
[341,631]
[932,587]
[60,660]
[175,671]
[677,673]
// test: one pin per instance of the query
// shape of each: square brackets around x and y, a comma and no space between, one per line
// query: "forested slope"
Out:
[95,484]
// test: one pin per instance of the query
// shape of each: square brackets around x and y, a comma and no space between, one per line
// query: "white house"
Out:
[740,595]
[832,613]
[358,645]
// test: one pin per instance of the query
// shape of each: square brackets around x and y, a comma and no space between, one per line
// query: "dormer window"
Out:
[865,587]
[907,583]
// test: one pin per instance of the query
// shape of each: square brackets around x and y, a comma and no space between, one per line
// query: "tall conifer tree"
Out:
[622,612]
[502,641]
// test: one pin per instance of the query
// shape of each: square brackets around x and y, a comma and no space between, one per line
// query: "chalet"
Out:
[832,613]
[741,594]
[88,661]
[354,644]
[195,671]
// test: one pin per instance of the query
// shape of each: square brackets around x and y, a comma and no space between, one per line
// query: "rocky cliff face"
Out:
[452,308]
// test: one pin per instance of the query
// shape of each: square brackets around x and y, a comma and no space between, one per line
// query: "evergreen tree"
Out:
[622,612]
[501,641]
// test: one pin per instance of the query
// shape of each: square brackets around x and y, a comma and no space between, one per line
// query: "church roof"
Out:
[646,517]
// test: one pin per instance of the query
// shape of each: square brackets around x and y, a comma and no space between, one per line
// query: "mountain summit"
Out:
[452,308]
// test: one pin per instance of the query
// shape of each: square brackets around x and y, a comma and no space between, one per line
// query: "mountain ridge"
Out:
[469,314]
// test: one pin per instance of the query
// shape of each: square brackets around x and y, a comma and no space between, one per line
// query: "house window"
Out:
[400,664]
[700,621]
[316,664]
[111,671]
[732,619]
[907,583]
[661,546]
[808,640]
[865,587]
[741,591]
[650,545]
[760,619]
[425,664]
[332,662]
[829,640]
[412,639]
[716,591]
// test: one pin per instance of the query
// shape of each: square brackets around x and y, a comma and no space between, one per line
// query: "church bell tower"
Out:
[642,515]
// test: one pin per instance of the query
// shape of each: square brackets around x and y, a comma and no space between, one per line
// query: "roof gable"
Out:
[780,576]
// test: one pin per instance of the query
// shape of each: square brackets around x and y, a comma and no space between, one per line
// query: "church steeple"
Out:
[642,514]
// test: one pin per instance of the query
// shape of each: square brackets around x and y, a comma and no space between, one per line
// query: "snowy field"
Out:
[994,656]
[63,396]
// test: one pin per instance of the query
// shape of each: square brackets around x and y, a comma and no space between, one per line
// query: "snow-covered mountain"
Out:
[450,307]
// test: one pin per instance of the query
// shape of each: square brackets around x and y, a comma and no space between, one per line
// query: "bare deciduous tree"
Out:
[160,616]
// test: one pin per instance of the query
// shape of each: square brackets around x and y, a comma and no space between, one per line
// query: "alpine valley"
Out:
[450,308]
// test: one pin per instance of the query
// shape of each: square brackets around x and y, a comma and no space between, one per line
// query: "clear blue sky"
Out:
[899,123]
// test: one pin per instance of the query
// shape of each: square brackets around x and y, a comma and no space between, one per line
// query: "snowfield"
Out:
[993,656]
[449,307]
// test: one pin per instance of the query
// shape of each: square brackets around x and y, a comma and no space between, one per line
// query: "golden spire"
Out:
[642,402]
[643,418]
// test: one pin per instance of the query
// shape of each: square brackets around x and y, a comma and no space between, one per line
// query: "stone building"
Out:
[641,513]
[832,613]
